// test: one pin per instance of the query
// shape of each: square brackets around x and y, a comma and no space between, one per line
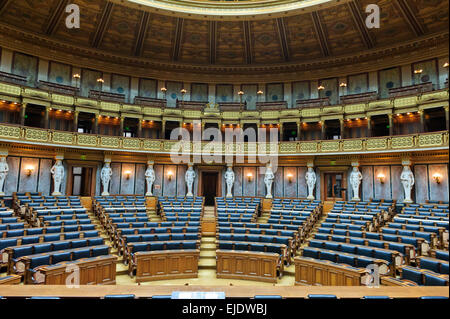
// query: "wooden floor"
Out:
[233,292]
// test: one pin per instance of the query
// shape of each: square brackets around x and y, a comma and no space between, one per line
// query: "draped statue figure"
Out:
[229,179]
[355,182]
[407,179]
[189,177]
[58,175]
[310,177]
[4,169]
[105,175]
[150,177]
[268,180]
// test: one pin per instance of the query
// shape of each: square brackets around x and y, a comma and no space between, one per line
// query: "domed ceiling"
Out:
[139,32]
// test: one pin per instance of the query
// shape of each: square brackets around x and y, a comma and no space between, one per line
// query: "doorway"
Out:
[210,187]
[334,186]
[81,179]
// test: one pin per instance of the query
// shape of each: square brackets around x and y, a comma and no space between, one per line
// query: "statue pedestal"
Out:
[105,194]
[266,205]
[2,194]
[408,201]
[310,197]
[56,194]
[356,199]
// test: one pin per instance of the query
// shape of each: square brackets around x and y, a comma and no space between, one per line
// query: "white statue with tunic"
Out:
[189,177]
[105,175]
[229,179]
[407,179]
[310,177]
[268,180]
[355,182]
[150,177]
[4,169]
[58,176]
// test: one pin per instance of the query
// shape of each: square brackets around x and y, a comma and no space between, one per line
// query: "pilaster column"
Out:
[122,120]
[23,110]
[75,121]
[342,128]
[280,127]
[369,127]
[46,117]
[96,124]
[323,127]
[391,124]
[446,118]
[422,121]
[163,129]
[299,131]
[139,132]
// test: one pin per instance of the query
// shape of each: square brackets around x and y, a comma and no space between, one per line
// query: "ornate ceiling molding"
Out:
[421,48]
[230,10]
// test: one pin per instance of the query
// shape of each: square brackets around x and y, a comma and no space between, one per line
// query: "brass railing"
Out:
[421,141]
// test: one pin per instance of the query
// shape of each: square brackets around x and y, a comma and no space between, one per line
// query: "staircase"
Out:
[208,243]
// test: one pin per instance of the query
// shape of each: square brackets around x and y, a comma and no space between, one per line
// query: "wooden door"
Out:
[334,185]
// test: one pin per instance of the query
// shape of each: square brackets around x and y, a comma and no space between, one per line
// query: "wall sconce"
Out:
[446,65]
[100,81]
[169,175]
[260,92]
[381,178]
[321,87]
[29,170]
[418,71]
[289,177]
[249,177]
[343,85]
[183,91]
[437,178]
[127,174]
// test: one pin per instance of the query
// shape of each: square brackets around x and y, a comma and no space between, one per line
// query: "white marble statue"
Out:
[150,177]
[4,169]
[105,175]
[310,177]
[58,176]
[355,182]
[407,179]
[268,180]
[229,179]
[189,177]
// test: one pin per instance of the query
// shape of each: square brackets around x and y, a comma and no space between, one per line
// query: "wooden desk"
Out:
[146,291]
[161,265]
[247,265]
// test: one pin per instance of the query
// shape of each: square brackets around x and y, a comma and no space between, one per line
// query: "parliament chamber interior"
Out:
[256,148]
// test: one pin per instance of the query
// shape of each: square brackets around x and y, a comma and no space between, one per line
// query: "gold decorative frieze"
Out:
[36,93]
[270,114]
[151,145]
[109,141]
[355,108]
[13,132]
[62,99]
[172,111]
[402,142]
[32,134]
[131,143]
[152,111]
[312,112]
[9,89]
[405,101]
[435,95]
[380,104]
[168,145]
[352,145]
[131,108]
[430,140]
[86,102]
[192,114]
[377,144]
[87,140]
[288,148]
[332,109]
[250,114]
[290,112]
[62,137]
[308,147]
[331,146]
[109,106]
